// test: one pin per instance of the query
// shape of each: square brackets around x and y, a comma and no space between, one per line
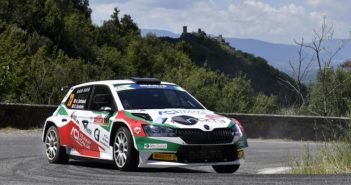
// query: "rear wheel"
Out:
[226,168]
[54,152]
[124,153]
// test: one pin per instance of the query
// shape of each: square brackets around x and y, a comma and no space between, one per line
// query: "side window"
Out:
[78,98]
[102,97]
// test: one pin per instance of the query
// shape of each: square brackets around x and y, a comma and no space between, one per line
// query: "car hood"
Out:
[186,118]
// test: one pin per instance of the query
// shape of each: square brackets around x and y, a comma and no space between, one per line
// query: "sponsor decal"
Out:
[99,119]
[137,130]
[209,121]
[105,140]
[77,106]
[172,112]
[185,120]
[214,116]
[80,101]
[83,90]
[188,120]
[123,87]
[152,86]
[145,86]
[97,134]
[155,145]
[80,138]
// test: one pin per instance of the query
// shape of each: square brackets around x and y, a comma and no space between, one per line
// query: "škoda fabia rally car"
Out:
[142,122]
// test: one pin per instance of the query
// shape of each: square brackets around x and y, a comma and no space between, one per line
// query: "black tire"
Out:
[226,168]
[124,153]
[54,152]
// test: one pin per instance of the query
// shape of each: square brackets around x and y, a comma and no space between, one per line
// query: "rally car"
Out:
[142,122]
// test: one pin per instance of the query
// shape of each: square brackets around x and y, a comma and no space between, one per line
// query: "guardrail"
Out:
[24,116]
[315,128]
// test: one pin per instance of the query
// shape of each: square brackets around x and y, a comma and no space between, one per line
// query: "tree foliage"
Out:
[46,44]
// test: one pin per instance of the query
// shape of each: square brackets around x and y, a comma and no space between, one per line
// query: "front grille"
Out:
[207,154]
[197,136]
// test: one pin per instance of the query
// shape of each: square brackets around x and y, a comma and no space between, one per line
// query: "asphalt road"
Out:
[22,161]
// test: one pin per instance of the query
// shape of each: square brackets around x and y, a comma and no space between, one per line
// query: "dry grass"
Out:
[331,158]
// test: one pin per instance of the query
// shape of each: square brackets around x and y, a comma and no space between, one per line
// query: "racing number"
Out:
[71,98]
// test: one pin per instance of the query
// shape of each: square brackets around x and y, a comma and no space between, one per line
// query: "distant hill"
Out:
[277,55]
[159,33]
[219,56]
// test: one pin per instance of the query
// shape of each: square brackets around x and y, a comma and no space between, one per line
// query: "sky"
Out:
[277,21]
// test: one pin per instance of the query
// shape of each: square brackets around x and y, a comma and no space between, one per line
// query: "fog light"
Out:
[240,153]
[164,156]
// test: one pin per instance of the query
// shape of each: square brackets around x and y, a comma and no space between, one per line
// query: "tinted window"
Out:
[78,98]
[149,98]
[102,97]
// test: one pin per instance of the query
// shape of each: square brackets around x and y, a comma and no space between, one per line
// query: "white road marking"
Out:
[273,170]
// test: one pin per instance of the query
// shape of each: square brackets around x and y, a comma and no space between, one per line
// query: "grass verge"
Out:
[330,158]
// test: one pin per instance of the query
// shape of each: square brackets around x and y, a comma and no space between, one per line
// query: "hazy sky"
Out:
[278,21]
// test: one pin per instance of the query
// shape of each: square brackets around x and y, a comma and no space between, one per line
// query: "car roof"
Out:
[114,82]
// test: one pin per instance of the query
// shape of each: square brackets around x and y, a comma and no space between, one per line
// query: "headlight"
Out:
[159,131]
[235,130]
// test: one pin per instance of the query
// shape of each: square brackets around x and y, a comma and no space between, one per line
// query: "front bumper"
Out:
[167,164]
[193,155]
[190,149]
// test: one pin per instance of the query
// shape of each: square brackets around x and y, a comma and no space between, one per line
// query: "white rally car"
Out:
[142,122]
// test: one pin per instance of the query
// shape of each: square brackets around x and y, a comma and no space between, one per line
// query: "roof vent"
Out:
[139,80]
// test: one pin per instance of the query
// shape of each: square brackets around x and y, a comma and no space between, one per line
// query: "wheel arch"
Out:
[47,125]
[116,125]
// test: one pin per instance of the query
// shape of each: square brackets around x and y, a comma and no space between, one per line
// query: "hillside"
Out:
[46,44]
[219,56]
[276,54]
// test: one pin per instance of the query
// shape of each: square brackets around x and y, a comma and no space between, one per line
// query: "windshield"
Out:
[157,98]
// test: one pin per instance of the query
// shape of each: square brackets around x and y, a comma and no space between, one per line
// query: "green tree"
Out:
[12,62]
[265,104]
[338,97]
[236,96]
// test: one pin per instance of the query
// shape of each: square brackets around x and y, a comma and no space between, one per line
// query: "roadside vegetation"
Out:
[47,44]
[329,95]
[333,157]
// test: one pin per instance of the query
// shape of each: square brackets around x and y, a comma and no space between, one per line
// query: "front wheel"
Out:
[226,168]
[54,152]
[124,153]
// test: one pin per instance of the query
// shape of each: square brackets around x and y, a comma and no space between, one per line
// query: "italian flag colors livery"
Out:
[142,122]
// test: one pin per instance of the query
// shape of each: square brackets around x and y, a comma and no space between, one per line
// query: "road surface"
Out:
[23,161]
